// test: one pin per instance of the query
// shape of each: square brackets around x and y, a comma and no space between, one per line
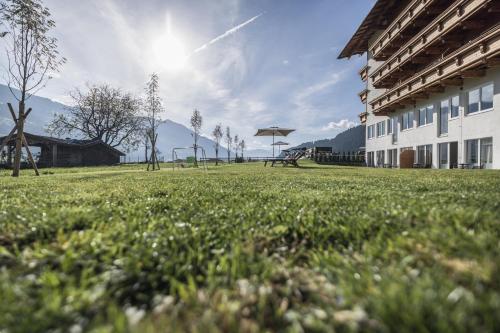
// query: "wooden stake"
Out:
[30,157]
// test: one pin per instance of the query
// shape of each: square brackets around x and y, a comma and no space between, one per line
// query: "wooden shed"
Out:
[55,152]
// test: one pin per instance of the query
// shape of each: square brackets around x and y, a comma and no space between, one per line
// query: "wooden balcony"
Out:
[362,117]
[363,73]
[469,61]
[417,14]
[444,34]
[363,96]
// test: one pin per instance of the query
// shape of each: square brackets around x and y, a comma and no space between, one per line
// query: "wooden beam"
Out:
[472,73]
[435,89]
[453,82]
[420,60]
[493,62]
[12,113]
[434,50]
[7,138]
[30,157]
[472,24]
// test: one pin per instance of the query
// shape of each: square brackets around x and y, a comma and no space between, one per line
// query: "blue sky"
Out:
[243,63]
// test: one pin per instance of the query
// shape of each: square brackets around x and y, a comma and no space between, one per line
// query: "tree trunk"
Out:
[228,155]
[146,152]
[195,153]
[216,157]
[19,141]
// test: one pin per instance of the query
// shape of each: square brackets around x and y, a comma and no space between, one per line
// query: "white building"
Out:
[432,82]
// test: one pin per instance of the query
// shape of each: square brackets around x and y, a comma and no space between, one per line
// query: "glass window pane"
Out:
[443,155]
[455,103]
[421,117]
[473,101]
[410,119]
[487,152]
[443,117]
[429,114]
[487,97]
[471,151]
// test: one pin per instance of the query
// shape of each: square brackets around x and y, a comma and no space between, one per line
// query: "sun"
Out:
[169,53]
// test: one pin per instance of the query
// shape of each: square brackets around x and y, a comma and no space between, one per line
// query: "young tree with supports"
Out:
[236,142]
[217,134]
[31,57]
[243,146]
[196,123]
[102,113]
[153,106]
[229,142]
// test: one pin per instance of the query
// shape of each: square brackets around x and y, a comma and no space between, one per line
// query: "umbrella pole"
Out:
[273,144]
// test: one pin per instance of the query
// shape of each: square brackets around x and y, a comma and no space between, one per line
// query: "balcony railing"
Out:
[409,17]
[362,117]
[420,48]
[471,60]
[363,96]
[363,73]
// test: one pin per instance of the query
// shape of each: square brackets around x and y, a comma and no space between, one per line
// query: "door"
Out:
[453,155]
[443,156]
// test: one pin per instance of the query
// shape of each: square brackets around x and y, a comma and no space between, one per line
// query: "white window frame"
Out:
[380,129]
[480,107]
[425,109]
[451,106]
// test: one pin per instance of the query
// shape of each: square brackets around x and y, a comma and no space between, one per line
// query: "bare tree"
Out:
[236,142]
[102,113]
[196,123]
[217,134]
[243,146]
[229,142]
[31,56]
[154,107]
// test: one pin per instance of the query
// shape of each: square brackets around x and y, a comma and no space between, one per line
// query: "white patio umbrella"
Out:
[279,144]
[274,131]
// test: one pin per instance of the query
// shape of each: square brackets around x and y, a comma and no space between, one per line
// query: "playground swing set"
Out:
[176,161]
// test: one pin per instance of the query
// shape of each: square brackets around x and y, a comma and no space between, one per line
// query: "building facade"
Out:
[432,83]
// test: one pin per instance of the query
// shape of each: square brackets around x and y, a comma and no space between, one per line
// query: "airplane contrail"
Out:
[227,33]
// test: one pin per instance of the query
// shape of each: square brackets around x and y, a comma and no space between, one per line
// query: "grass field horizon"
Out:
[243,248]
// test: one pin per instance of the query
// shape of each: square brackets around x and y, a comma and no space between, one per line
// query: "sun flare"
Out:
[169,53]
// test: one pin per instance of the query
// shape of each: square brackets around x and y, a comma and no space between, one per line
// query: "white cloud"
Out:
[340,125]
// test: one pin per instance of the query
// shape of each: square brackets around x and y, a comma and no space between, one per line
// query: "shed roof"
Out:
[382,13]
[41,139]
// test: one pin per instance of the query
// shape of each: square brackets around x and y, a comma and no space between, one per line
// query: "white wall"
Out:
[465,127]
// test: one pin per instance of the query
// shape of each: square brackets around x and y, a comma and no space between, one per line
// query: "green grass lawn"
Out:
[244,248]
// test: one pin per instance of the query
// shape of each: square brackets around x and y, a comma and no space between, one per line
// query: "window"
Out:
[486,153]
[424,155]
[480,99]
[443,155]
[425,115]
[407,120]
[389,125]
[471,151]
[380,157]
[370,159]
[392,156]
[455,104]
[443,116]
[394,130]
[479,152]
[381,128]
[371,130]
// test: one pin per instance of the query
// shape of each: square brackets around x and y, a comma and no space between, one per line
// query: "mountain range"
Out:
[351,140]
[170,134]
